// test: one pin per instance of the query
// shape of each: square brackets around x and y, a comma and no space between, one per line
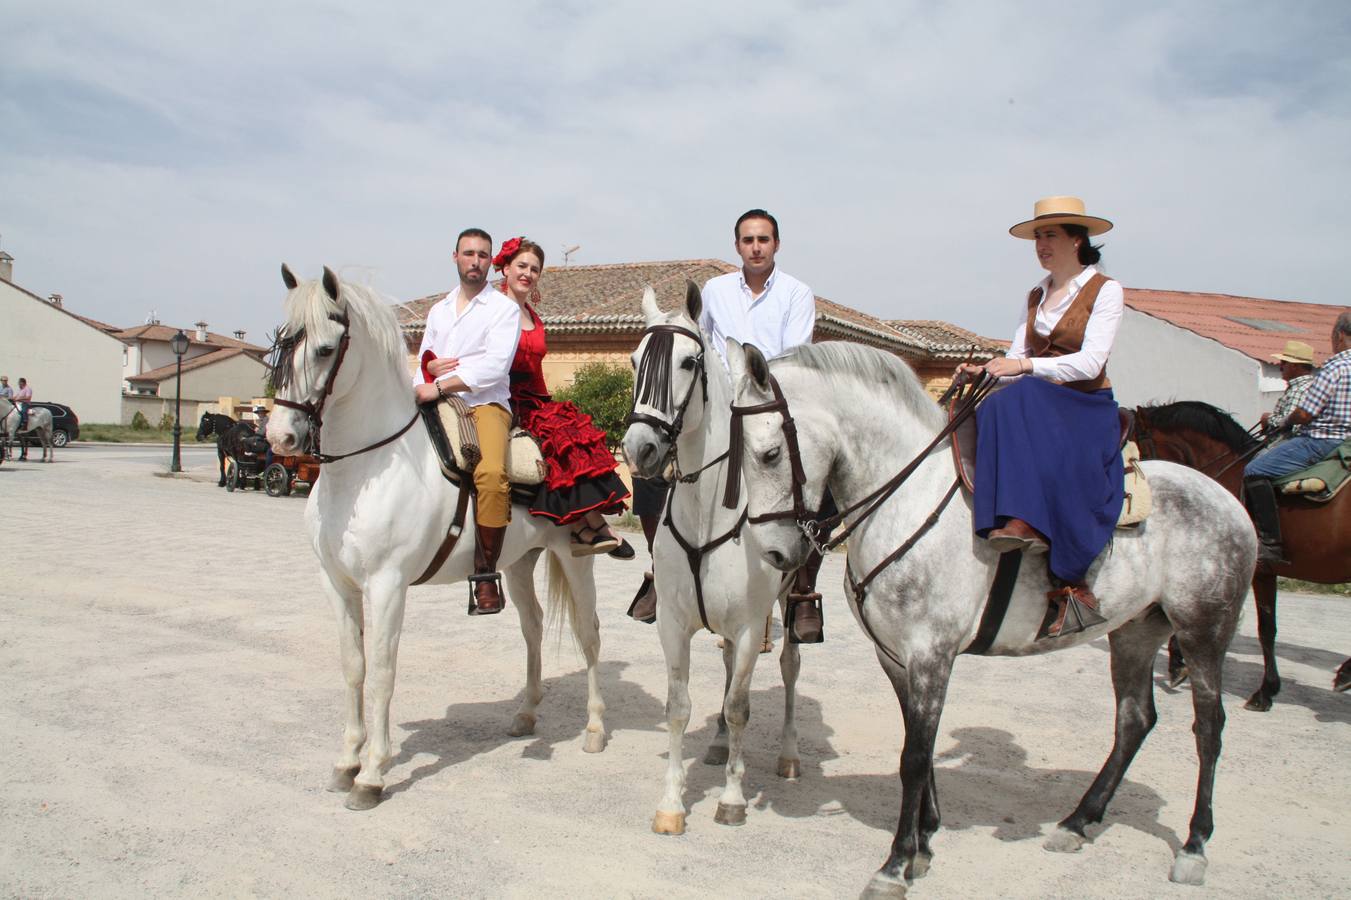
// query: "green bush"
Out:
[139,423]
[605,393]
[166,422]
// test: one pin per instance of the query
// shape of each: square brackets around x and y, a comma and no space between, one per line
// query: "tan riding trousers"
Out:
[490,475]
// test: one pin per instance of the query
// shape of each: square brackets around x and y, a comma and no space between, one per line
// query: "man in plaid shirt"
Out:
[1324,419]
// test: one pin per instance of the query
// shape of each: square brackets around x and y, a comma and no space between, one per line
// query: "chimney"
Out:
[6,266]
[201,332]
[239,335]
[54,300]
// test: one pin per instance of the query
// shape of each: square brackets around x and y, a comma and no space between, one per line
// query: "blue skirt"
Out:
[1050,455]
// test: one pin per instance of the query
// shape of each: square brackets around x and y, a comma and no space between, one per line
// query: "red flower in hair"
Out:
[504,255]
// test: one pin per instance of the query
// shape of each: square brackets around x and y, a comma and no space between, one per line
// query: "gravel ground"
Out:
[172,693]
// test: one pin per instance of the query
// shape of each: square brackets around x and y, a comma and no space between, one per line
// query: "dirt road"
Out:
[171,701]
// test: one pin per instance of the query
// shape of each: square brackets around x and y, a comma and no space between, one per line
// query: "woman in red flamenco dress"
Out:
[581,486]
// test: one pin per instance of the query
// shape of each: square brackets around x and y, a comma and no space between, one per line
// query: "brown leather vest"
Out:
[1068,334]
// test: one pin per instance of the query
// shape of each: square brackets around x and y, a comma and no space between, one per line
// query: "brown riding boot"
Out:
[1015,534]
[485,585]
[803,623]
[644,605]
[1071,609]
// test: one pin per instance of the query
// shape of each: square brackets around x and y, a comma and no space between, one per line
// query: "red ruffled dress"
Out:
[581,476]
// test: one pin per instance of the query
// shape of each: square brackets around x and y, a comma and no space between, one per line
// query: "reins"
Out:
[967,398]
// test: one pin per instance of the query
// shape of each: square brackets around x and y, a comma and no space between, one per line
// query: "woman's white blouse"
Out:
[1099,334]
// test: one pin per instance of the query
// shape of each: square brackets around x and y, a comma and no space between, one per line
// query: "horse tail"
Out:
[562,602]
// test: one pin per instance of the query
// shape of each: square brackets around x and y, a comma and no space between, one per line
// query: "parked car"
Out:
[65,424]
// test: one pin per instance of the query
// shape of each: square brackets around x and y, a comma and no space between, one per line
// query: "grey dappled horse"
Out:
[861,415]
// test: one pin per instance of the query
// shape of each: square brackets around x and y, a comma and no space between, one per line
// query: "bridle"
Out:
[965,406]
[314,411]
[652,387]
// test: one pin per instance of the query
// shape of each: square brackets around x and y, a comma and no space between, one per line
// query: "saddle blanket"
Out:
[1323,480]
[525,462]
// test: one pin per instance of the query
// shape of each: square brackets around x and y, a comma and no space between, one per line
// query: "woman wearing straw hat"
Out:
[1048,467]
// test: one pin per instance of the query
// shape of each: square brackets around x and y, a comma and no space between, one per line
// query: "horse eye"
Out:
[324,352]
[687,364]
[772,455]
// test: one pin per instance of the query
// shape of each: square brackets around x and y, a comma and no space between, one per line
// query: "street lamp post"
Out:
[179,344]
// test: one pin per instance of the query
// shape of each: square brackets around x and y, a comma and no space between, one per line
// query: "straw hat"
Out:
[1295,352]
[1060,211]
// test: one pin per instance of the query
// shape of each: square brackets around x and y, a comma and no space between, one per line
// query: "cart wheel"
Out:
[231,477]
[277,480]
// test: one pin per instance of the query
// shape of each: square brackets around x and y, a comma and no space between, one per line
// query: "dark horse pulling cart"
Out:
[244,468]
[289,472]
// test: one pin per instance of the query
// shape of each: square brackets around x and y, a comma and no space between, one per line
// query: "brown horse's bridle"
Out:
[314,410]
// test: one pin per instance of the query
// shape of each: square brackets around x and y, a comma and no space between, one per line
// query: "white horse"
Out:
[861,416]
[377,518]
[39,423]
[691,397]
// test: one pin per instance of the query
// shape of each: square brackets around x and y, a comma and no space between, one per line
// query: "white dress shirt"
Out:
[483,338]
[781,318]
[1099,334]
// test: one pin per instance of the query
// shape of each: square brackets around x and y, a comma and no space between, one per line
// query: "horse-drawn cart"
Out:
[245,467]
[289,472]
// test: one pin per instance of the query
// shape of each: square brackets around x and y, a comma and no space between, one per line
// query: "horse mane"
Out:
[309,310]
[1203,418]
[847,364]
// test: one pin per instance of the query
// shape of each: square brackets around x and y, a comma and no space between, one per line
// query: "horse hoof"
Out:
[1176,679]
[342,780]
[729,814]
[522,725]
[790,768]
[919,867]
[1258,702]
[1342,680]
[1062,840]
[883,889]
[715,756]
[1188,868]
[363,797]
[595,742]
[668,823]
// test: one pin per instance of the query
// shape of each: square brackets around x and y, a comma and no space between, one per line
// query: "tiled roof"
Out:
[608,298]
[197,362]
[1252,326]
[947,341]
[165,332]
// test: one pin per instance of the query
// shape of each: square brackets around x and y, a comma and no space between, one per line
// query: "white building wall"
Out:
[65,360]
[1154,361]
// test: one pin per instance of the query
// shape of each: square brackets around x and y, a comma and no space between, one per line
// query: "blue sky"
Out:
[154,158]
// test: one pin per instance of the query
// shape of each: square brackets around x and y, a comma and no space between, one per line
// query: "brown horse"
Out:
[1317,535]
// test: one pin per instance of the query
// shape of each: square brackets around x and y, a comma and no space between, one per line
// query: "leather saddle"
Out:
[1136,506]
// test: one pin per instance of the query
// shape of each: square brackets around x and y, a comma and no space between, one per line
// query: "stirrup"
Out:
[1065,615]
[814,632]
[484,578]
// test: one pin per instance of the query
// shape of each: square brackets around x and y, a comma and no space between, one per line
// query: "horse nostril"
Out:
[646,452]
[775,558]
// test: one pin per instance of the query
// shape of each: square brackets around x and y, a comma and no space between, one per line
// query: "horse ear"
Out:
[288,277]
[736,361]
[650,309]
[330,284]
[757,367]
[694,301]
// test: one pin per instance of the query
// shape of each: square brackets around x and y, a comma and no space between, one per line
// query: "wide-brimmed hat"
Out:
[1060,211]
[1295,352]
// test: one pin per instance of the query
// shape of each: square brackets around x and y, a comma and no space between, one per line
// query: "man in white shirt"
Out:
[467,349]
[759,304]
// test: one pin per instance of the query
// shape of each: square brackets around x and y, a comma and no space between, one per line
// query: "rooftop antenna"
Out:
[568,251]
[152,319]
